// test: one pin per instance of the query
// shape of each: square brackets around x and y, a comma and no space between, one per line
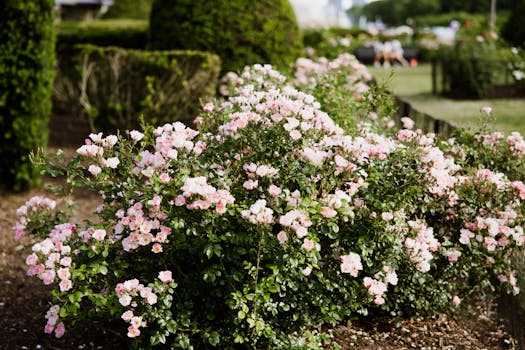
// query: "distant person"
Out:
[387,54]
[378,53]
[397,53]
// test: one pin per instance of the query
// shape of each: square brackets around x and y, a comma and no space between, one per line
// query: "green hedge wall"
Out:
[125,33]
[130,34]
[26,79]
[163,86]
[240,32]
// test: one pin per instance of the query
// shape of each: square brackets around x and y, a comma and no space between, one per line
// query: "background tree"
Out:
[26,82]
[422,7]
[395,12]
[514,29]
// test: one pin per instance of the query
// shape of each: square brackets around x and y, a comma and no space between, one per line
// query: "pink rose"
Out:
[127,315]
[282,237]
[165,276]
[133,332]
[94,169]
[112,162]
[308,244]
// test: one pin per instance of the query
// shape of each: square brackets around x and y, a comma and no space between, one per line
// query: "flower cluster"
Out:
[378,285]
[209,195]
[143,226]
[258,213]
[52,317]
[312,72]
[133,288]
[351,264]
[297,221]
[35,205]
[94,147]
[51,258]
[422,246]
[133,294]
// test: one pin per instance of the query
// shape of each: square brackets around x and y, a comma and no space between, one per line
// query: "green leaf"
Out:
[171,326]
[75,297]
[208,251]
[214,338]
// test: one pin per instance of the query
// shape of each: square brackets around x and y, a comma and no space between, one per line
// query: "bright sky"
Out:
[317,12]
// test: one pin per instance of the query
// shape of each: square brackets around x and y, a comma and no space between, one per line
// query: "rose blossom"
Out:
[94,169]
[112,162]
[165,276]
[136,135]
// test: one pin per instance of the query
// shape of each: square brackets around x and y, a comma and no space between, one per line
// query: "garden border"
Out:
[509,307]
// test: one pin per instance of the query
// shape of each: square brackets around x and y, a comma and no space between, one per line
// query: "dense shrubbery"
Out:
[513,29]
[330,44]
[137,9]
[129,34]
[269,220]
[26,78]
[475,64]
[118,85]
[240,32]
[516,63]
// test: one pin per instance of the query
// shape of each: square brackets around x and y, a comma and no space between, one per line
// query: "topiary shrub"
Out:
[119,85]
[240,32]
[26,79]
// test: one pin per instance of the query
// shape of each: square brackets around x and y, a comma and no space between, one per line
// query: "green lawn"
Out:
[414,85]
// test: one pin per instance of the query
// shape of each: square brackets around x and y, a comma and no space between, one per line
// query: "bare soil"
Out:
[24,301]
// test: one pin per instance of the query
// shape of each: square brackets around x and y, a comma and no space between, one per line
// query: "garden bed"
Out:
[258,312]
[24,301]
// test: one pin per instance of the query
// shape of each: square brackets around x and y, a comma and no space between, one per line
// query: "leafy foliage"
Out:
[514,30]
[26,78]
[118,85]
[271,222]
[125,33]
[396,12]
[475,64]
[240,32]
[129,34]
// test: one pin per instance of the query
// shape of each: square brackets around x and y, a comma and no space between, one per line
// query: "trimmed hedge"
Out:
[163,86]
[130,34]
[240,32]
[26,79]
[470,70]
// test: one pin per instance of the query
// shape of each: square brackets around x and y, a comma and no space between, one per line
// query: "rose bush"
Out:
[269,221]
